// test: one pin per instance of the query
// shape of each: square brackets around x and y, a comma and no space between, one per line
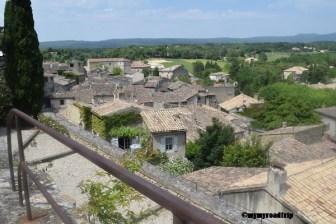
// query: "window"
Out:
[62,102]
[169,143]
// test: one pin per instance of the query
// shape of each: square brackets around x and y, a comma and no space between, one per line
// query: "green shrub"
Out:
[48,121]
[178,166]
[248,154]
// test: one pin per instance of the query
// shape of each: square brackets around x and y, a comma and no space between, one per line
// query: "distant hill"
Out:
[114,43]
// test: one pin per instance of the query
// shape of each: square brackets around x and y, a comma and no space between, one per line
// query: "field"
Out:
[272,56]
[187,63]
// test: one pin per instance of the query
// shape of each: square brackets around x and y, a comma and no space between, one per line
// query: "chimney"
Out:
[276,181]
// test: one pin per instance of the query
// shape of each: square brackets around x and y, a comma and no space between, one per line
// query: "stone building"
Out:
[109,64]
[174,72]
[328,116]
[167,131]
[238,103]
[295,72]
[305,190]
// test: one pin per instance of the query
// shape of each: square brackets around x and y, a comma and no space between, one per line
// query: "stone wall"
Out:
[308,136]
[311,135]
[226,208]
[71,113]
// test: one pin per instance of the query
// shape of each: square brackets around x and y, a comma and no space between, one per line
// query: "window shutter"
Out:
[162,144]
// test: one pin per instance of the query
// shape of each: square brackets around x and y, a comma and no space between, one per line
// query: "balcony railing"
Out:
[183,212]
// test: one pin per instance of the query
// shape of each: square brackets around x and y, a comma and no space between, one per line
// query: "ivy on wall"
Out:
[86,117]
[126,132]
[99,126]
[103,125]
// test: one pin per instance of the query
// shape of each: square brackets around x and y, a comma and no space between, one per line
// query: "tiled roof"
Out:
[239,101]
[116,106]
[290,150]
[313,192]
[171,69]
[180,95]
[329,112]
[193,118]
[90,60]
[296,69]
[221,179]
[139,64]
[162,121]
[289,130]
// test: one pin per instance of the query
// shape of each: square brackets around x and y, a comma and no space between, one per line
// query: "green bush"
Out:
[103,125]
[291,103]
[126,132]
[248,154]
[117,71]
[178,166]
[48,121]
[208,150]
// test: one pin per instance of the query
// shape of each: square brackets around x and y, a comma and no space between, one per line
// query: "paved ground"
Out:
[63,178]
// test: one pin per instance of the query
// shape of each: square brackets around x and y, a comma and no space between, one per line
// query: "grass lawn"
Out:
[188,63]
[272,56]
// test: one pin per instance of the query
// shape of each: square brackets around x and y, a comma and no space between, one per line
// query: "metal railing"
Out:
[183,212]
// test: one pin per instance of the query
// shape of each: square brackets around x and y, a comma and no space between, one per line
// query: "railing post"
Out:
[9,150]
[20,184]
[24,174]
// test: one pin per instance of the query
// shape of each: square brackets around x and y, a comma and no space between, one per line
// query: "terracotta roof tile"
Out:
[239,101]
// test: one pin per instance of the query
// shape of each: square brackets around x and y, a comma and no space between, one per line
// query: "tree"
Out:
[147,72]
[156,71]
[198,68]
[247,154]
[316,74]
[290,103]
[117,71]
[235,66]
[24,71]
[5,95]
[212,66]
[262,57]
[211,143]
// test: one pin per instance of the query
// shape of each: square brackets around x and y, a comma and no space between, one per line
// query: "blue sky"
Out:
[106,19]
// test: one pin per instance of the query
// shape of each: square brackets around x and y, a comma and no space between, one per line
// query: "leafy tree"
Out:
[247,154]
[262,57]
[178,166]
[192,150]
[212,66]
[198,68]
[156,71]
[117,71]
[290,103]
[316,74]
[211,143]
[24,71]
[235,66]
[147,72]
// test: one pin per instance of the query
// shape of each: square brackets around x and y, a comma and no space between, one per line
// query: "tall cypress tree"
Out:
[5,96]
[24,71]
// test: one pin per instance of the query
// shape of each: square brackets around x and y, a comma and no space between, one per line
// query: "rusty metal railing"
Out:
[183,212]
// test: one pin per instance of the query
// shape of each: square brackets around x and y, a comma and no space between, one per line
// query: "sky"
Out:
[109,19]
